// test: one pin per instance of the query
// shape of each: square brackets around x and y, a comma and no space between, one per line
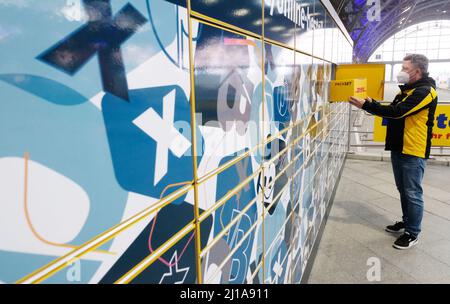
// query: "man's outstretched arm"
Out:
[413,103]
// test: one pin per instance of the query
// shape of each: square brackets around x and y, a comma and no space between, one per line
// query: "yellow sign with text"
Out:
[341,90]
[441,129]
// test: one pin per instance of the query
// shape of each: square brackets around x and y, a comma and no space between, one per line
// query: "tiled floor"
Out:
[366,201]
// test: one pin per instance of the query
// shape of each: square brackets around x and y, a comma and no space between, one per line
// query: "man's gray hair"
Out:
[420,61]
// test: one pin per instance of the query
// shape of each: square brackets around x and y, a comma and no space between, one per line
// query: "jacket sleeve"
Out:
[411,104]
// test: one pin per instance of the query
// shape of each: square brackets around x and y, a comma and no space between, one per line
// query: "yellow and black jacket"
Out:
[410,118]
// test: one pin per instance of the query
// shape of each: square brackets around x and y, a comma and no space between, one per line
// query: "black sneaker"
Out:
[397,227]
[405,241]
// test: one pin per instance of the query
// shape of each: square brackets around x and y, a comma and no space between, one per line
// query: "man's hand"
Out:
[358,102]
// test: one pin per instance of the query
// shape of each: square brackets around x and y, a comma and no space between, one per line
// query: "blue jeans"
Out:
[408,174]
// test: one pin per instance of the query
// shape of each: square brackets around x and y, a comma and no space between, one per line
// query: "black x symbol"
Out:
[102,34]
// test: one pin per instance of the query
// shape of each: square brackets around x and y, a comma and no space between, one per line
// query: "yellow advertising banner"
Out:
[441,129]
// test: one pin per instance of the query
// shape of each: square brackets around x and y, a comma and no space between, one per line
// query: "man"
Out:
[409,130]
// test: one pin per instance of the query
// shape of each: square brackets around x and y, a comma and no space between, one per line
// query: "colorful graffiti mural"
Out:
[99,102]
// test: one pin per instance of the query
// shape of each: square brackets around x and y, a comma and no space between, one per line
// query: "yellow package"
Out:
[341,90]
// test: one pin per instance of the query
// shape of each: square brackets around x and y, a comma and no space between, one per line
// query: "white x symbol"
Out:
[164,133]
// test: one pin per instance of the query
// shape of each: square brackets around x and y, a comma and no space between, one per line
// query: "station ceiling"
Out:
[370,27]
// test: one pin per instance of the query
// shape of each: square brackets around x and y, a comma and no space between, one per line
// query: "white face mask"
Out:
[403,77]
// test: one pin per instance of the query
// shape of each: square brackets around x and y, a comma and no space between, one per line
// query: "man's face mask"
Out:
[403,77]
